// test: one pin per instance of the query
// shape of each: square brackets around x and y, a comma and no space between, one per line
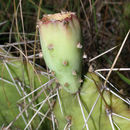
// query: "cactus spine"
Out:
[60,37]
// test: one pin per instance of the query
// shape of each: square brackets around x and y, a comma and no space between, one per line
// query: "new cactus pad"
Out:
[60,37]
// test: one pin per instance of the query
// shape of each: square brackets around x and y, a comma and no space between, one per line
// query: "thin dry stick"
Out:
[40,113]
[14,19]
[85,13]
[52,96]
[36,33]
[121,116]
[101,76]
[114,69]
[111,121]
[14,33]
[37,112]
[91,110]
[34,50]
[106,88]
[12,78]
[117,126]
[15,15]
[108,75]
[28,61]
[113,3]
[21,14]
[53,120]
[90,3]
[32,67]
[4,80]
[35,98]
[23,116]
[43,119]
[4,22]
[46,85]
[58,97]
[103,53]
[17,43]
[126,101]
[82,112]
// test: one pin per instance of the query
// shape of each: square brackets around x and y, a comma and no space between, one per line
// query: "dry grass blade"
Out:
[58,97]
[121,116]
[12,78]
[114,69]
[116,58]
[43,119]
[101,76]
[43,100]
[17,43]
[2,23]
[25,108]
[6,81]
[111,121]
[91,110]
[125,100]
[82,111]
[103,53]
[53,120]
[85,13]
[44,85]
[37,111]
[106,88]
[22,116]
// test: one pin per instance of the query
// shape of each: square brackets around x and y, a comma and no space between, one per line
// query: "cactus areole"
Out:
[60,37]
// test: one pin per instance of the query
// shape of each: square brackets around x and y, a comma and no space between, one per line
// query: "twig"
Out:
[116,58]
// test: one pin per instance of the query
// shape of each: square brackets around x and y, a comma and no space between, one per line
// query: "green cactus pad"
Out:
[99,119]
[61,46]
[9,106]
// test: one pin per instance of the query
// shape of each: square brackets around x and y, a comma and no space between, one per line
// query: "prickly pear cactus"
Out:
[77,107]
[87,110]
[16,80]
[61,46]
[68,104]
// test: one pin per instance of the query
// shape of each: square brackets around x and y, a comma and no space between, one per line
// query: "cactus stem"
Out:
[64,29]
[50,47]
[79,45]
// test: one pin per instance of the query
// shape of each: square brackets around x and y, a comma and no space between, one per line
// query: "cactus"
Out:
[61,46]
[16,79]
[72,117]
[77,106]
